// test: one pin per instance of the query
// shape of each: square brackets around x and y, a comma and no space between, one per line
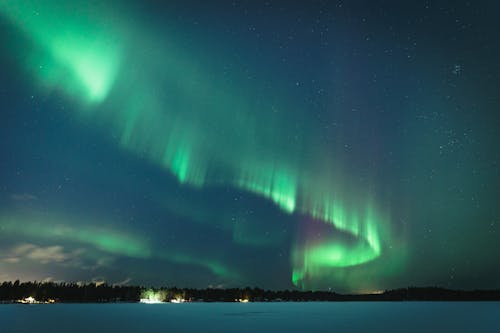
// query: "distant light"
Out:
[150,301]
[152,297]
[28,300]
[376,292]
[177,300]
[243,300]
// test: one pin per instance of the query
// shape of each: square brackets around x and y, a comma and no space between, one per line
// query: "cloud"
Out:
[122,283]
[41,254]
[23,197]
[98,280]
[11,260]
[217,286]
[103,262]
[51,279]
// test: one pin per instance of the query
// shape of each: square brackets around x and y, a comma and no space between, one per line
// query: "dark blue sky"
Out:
[343,145]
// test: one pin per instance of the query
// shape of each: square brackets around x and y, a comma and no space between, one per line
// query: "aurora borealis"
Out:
[314,146]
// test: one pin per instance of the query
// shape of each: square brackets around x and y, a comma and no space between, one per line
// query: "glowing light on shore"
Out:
[152,297]
[177,300]
[28,300]
[32,300]
[150,301]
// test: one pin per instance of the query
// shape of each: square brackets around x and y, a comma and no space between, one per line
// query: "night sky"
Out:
[328,144]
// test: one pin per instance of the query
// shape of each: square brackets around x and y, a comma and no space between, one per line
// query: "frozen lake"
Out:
[253,317]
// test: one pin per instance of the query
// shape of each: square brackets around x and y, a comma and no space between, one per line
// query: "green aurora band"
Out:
[110,241]
[107,240]
[201,128]
[85,64]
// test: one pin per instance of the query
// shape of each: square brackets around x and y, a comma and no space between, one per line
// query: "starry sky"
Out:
[350,146]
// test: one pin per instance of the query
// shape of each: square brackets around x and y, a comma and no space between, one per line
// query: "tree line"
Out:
[98,293]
